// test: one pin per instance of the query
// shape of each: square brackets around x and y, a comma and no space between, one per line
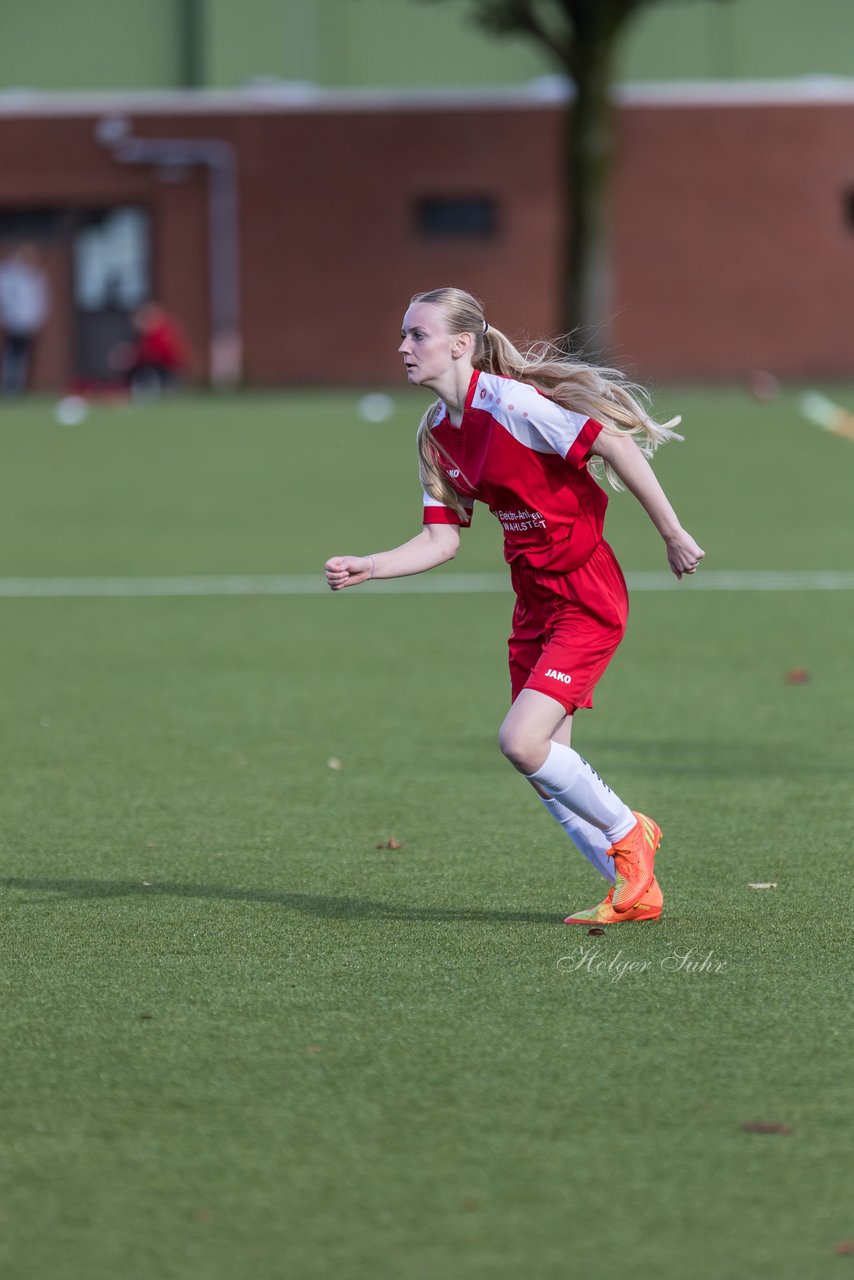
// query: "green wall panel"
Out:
[740,39]
[114,44]
[89,44]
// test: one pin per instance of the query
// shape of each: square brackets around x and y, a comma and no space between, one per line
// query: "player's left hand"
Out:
[683,553]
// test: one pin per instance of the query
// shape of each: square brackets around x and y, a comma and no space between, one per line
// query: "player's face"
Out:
[426,345]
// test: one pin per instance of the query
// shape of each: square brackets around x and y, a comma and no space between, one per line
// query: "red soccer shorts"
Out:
[566,628]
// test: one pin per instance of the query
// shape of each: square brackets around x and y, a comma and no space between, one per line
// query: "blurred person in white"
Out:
[24,309]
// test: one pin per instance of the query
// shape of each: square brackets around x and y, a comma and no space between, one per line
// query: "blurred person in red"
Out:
[156,360]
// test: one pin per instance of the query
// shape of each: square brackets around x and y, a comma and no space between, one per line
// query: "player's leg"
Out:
[566,777]
[576,621]
[593,844]
[560,773]
[14,365]
[562,679]
[534,612]
[589,840]
[526,646]
[528,740]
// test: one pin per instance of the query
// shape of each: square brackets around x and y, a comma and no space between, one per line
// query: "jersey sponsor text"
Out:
[521,521]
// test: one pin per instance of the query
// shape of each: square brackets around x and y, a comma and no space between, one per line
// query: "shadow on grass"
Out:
[312,904]
[709,759]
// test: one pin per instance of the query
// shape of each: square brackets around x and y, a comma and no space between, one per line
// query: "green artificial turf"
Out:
[241,1039]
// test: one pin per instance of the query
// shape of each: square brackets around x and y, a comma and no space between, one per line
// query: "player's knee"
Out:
[523,749]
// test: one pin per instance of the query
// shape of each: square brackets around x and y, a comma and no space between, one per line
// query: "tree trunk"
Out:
[589,141]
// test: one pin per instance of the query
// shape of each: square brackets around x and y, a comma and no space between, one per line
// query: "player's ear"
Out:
[463,344]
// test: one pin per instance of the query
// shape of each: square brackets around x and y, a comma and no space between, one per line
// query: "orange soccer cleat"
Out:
[649,909]
[634,856]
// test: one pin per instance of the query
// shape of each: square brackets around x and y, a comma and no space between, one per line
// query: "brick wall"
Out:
[732,245]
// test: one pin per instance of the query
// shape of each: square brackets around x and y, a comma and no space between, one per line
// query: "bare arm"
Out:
[435,544]
[623,455]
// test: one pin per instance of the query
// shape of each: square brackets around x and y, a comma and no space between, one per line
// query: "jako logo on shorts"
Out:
[559,675]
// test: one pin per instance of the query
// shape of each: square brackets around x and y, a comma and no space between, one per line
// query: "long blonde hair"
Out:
[603,394]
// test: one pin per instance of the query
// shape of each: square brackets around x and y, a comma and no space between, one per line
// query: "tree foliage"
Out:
[562,27]
[582,37]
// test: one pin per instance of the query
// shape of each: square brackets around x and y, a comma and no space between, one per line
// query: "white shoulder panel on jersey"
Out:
[530,418]
[430,501]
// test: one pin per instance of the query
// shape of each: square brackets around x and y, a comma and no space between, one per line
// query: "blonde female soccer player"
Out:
[517,432]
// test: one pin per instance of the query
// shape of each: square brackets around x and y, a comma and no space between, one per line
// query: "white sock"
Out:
[590,841]
[567,777]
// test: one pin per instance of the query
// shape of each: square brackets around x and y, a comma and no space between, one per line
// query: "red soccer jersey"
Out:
[525,457]
[162,345]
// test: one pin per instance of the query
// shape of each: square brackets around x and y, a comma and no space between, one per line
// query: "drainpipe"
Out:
[220,160]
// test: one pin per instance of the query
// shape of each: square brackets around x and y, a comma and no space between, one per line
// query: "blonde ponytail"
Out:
[605,395]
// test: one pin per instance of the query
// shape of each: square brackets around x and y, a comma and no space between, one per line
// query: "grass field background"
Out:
[238,1038]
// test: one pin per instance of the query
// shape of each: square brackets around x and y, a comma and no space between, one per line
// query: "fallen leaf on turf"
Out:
[767,884]
[391,843]
[313,1048]
[798,675]
[470,1205]
[596,931]
[845,1247]
[758,1126]
[333,763]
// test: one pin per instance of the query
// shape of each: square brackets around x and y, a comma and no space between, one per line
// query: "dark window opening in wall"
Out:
[33,224]
[848,202]
[453,217]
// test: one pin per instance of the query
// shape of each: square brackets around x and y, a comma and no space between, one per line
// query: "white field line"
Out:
[430,584]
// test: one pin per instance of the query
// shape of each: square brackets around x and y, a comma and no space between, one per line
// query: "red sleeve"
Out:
[436,513]
[579,451]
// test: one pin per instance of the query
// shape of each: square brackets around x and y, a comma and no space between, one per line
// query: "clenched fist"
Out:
[348,571]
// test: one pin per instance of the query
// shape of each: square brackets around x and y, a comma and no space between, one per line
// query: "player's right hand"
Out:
[347,571]
[683,553]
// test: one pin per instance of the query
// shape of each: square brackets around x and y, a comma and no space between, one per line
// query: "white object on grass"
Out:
[827,415]
[375,407]
[71,410]
[823,412]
